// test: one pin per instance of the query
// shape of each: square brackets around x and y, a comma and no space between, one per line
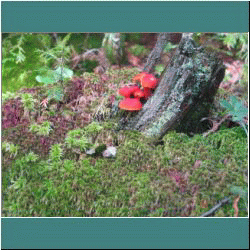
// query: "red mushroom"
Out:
[125,91]
[134,88]
[138,77]
[131,104]
[139,94]
[128,91]
[149,81]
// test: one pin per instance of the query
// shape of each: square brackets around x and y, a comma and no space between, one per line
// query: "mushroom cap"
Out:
[134,88]
[149,81]
[139,94]
[132,104]
[125,91]
[139,77]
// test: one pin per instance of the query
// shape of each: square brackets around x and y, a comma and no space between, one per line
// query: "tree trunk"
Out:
[156,53]
[186,86]
[114,46]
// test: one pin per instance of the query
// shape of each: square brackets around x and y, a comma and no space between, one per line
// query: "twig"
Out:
[215,126]
[235,206]
[215,208]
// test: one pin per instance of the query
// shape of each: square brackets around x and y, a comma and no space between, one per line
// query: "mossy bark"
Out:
[188,83]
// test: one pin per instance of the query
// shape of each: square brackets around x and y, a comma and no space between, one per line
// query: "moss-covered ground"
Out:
[46,171]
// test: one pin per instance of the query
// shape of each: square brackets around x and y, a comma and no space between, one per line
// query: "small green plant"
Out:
[237,110]
[43,129]
[10,148]
[59,54]
[56,152]
[54,76]
[93,128]
[31,157]
[61,51]
[19,65]
[60,74]
[77,139]
[14,53]
[139,50]
[28,101]
[238,42]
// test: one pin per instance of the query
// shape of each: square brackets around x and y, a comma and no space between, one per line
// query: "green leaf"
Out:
[46,79]
[235,108]
[55,93]
[62,73]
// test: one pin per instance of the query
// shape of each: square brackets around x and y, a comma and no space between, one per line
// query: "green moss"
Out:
[136,182]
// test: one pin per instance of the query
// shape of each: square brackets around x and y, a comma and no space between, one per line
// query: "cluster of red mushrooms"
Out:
[136,93]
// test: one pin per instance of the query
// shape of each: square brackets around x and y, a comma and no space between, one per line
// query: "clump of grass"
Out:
[10,148]
[43,129]
[93,128]
[28,101]
[31,157]
[56,152]
[77,139]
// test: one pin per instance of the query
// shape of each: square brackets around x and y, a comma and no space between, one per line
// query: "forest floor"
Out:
[47,169]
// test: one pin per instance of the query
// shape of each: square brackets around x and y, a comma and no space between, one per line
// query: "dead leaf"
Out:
[44,103]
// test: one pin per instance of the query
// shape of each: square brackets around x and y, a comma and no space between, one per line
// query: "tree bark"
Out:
[114,46]
[188,83]
[155,56]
